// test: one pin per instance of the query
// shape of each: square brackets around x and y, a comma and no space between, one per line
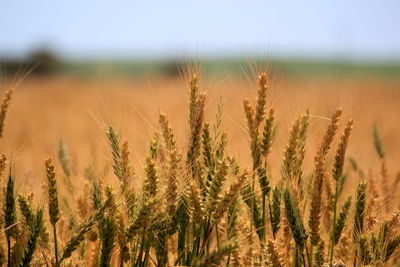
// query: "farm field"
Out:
[77,112]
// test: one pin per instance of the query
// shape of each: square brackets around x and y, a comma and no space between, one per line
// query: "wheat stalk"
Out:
[54,212]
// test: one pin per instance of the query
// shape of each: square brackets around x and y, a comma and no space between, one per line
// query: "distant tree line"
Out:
[40,62]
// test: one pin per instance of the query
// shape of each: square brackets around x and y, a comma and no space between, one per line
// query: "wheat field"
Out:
[256,170]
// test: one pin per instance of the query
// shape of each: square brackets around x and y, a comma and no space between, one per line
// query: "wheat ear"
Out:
[4,109]
[54,212]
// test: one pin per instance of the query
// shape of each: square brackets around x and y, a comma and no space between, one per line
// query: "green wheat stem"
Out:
[253,206]
[309,256]
[8,252]
[10,218]
[55,244]
[140,256]
[270,219]
[217,235]
[263,218]
[331,246]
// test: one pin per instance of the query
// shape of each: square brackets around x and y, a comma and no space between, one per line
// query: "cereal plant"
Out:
[198,205]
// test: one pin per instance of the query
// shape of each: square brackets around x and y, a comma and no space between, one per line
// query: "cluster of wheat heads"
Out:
[201,208]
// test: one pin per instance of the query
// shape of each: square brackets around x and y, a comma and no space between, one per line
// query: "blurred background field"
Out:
[78,110]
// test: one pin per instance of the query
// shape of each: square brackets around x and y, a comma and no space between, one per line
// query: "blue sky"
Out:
[351,29]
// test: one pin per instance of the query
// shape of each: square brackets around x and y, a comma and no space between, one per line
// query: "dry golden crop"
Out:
[164,172]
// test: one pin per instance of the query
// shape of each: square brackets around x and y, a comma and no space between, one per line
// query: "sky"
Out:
[125,29]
